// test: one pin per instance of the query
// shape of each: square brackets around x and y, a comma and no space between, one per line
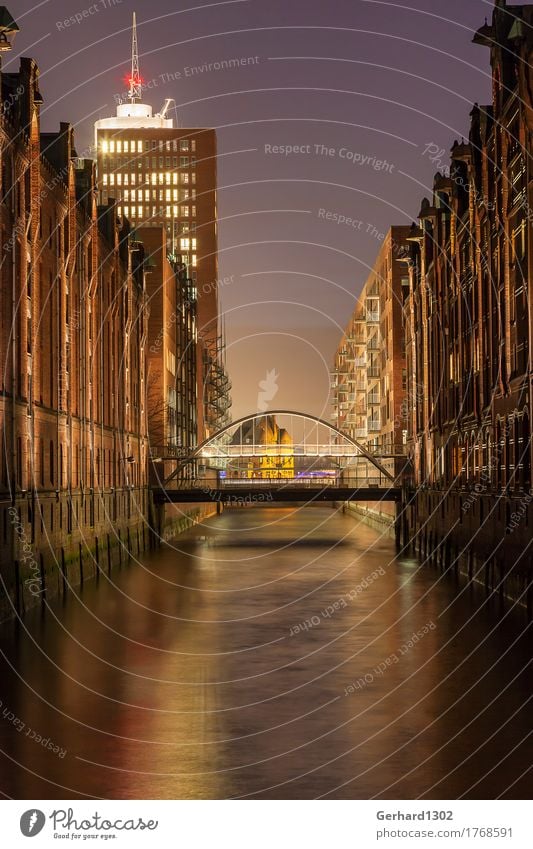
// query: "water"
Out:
[193,674]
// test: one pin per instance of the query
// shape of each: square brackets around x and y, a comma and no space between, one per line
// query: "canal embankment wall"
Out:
[486,539]
[54,543]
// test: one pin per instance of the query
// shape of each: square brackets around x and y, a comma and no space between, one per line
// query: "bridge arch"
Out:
[339,443]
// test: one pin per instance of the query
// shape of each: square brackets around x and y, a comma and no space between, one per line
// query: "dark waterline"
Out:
[189,675]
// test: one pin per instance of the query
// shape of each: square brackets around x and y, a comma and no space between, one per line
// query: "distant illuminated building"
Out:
[274,448]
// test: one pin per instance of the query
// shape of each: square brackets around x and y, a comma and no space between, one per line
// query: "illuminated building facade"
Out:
[164,175]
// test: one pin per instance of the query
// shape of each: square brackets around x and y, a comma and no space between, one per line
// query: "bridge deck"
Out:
[267,494]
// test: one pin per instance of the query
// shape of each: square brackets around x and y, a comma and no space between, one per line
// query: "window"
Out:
[119,146]
[105,179]
[105,146]
[111,147]
[175,179]
[174,161]
[184,211]
[184,144]
[184,177]
[127,147]
[184,161]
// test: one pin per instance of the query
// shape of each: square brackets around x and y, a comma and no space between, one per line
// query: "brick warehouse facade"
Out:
[75,325]
[468,320]
[468,326]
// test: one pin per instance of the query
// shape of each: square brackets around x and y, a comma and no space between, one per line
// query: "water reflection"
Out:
[257,658]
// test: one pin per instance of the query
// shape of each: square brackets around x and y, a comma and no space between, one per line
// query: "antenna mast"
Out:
[135,79]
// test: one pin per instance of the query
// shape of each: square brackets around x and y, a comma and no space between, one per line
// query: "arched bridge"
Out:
[279,455]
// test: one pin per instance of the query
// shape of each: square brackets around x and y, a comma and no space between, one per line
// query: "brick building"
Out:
[73,466]
[468,319]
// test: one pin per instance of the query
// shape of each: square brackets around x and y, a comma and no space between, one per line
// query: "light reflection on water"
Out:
[203,673]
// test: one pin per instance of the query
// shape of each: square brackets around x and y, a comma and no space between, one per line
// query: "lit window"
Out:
[184,177]
[167,195]
[193,244]
[147,194]
[111,179]
[184,144]
[193,176]
[184,161]
[193,260]
[193,211]
[154,178]
[184,211]
[105,146]
[119,179]
[132,210]
[175,144]
[184,244]
[193,194]
[111,146]
[126,147]
[169,213]
[126,211]
[175,211]
[140,146]
[175,179]
[126,179]
[140,211]
[133,179]
[106,178]
[175,194]
[119,146]
[161,177]
[126,194]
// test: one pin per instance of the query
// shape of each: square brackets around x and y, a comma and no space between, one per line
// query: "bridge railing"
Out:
[339,482]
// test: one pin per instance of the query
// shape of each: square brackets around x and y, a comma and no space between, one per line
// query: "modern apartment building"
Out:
[369,377]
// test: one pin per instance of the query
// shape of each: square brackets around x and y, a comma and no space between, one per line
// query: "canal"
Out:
[271,653]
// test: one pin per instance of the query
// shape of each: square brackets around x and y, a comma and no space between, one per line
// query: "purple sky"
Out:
[379,79]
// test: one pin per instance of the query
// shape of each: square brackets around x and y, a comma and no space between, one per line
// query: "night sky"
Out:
[381,80]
